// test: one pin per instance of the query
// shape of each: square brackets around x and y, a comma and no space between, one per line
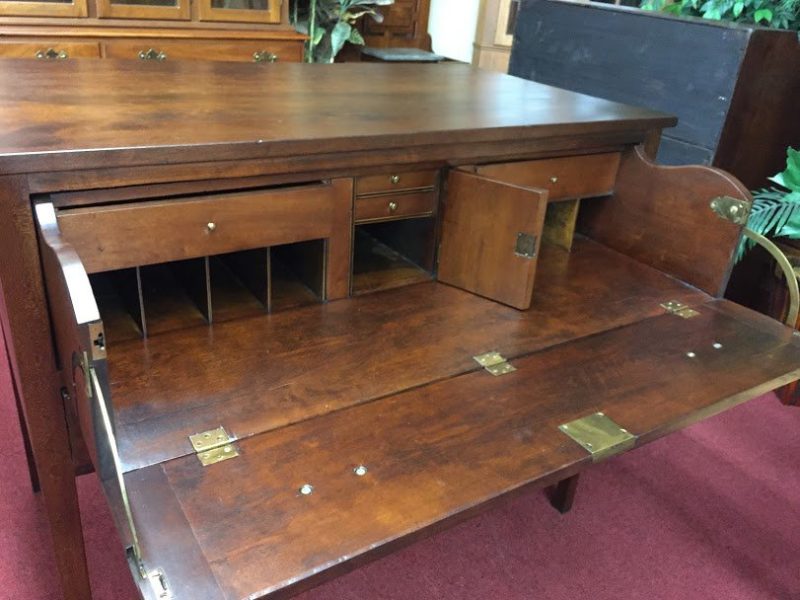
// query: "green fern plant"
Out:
[776,210]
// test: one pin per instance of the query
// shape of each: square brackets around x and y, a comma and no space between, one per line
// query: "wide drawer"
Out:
[566,177]
[394,206]
[236,51]
[142,233]
[396,181]
[49,50]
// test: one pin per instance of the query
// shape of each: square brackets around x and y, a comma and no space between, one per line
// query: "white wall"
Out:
[452,27]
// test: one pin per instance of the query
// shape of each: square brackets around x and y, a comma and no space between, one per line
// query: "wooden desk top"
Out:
[97,114]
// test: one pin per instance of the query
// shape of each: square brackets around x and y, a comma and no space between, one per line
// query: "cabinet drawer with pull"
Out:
[563,178]
[230,51]
[142,233]
[394,206]
[49,50]
[395,182]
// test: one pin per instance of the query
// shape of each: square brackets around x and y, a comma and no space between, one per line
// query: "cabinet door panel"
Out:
[491,233]
[144,9]
[45,8]
[240,11]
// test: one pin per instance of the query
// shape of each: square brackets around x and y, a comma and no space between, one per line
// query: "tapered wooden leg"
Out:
[562,494]
[25,322]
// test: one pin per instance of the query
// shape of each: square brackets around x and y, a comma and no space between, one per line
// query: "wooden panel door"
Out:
[43,8]
[491,233]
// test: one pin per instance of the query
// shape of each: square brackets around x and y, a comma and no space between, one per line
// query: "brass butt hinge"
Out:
[679,309]
[599,436]
[494,363]
[213,446]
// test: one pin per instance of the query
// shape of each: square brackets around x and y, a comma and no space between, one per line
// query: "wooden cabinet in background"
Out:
[405,25]
[215,30]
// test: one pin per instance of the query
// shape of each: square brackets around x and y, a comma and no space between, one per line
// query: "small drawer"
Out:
[230,51]
[563,178]
[395,182]
[49,50]
[394,206]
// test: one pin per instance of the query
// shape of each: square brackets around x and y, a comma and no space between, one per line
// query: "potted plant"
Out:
[330,24]
[778,14]
[775,212]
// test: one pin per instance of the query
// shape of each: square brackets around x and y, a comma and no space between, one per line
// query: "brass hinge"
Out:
[679,309]
[494,363]
[213,446]
[599,435]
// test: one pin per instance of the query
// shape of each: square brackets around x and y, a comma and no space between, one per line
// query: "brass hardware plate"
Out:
[599,435]
[152,54]
[264,56]
[526,245]
[732,209]
[158,585]
[213,446]
[494,363]
[678,308]
[51,54]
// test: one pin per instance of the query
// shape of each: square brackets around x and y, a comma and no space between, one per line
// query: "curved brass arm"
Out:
[737,211]
[788,273]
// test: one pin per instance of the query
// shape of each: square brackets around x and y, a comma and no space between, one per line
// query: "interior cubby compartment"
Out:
[393,254]
[559,223]
[239,284]
[175,295]
[297,274]
[119,303]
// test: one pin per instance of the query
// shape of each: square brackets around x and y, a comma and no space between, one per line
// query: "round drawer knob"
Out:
[554,179]
[395,179]
[392,206]
[211,226]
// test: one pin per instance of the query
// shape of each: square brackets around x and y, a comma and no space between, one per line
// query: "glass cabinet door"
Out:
[143,9]
[44,8]
[243,11]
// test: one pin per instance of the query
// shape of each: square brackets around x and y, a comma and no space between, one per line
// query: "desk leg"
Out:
[562,494]
[26,439]
[26,325]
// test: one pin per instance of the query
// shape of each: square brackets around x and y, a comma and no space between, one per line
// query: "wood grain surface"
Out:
[662,217]
[249,112]
[440,453]
[257,374]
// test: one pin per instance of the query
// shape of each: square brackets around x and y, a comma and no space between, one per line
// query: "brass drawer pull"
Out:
[392,206]
[211,226]
[395,179]
[51,54]
[152,54]
[554,179]
[264,56]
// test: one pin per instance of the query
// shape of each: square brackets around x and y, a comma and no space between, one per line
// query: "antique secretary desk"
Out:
[296,316]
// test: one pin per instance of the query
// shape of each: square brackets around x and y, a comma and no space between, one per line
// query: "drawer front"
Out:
[49,50]
[395,182]
[230,51]
[394,206]
[563,178]
[142,233]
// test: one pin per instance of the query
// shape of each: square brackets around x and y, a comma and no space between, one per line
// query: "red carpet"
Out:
[709,513]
